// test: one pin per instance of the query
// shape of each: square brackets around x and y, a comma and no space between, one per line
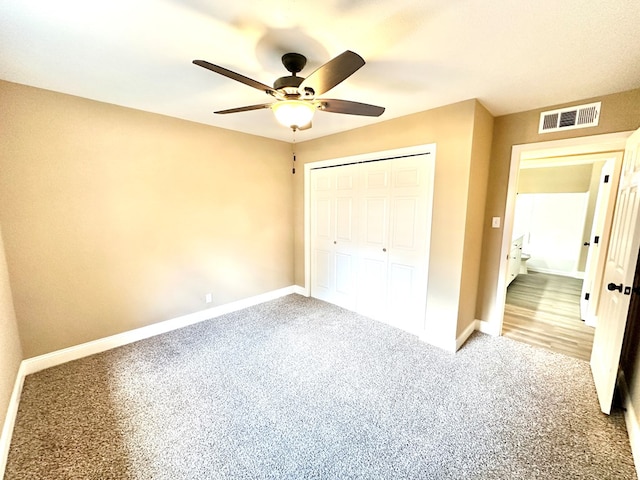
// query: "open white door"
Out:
[622,257]
[598,242]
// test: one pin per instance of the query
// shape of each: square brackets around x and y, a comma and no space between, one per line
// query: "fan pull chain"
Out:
[293,151]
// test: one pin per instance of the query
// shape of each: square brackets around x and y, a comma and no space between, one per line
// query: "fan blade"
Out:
[332,73]
[351,108]
[245,109]
[306,127]
[235,76]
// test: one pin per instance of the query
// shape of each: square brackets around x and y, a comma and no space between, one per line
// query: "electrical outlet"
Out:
[208,298]
[495,222]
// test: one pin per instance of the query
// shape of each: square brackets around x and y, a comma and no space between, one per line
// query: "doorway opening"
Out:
[561,227]
[542,305]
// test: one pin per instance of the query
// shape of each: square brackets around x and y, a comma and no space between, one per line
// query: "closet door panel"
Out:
[406,298]
[374,228]
[323,230]
[322,233]
[377,175]
[372,288]
[334,236]
[344,274]
[374,234]
[408,266]
[370,225]
[404,224]
[401,282]
[346,235]
[344,219]
[323,268]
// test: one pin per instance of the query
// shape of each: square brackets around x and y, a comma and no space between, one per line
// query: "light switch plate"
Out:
[495,222]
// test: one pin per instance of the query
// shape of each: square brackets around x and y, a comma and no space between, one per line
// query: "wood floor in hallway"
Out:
[544,310]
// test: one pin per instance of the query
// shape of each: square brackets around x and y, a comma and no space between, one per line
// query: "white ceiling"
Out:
[421,54]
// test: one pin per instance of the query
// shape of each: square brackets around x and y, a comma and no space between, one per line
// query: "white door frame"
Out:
[429,148]
[609,142]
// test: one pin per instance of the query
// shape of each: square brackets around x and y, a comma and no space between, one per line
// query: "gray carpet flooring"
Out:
[299,389]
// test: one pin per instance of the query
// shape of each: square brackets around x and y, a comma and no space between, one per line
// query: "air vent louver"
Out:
[550,121]
[570,118]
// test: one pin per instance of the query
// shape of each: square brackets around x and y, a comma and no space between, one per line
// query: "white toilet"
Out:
[523,263]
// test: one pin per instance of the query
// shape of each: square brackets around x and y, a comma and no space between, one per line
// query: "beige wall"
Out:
[620,112]
[10,349]
[476,199]
[452,129]
[115,219]
[564,179]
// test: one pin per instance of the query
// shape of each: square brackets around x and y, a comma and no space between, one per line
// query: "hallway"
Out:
[544,310]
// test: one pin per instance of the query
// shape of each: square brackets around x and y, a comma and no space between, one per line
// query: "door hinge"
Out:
[596,239]
[586,296]
[606,179]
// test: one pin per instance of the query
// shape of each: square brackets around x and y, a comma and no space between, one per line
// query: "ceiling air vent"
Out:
[570,118]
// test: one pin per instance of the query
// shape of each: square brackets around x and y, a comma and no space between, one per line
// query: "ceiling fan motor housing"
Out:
[294,62]
[288,82]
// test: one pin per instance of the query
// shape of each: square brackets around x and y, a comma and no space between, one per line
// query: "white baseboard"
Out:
[443,344]
[464,336]
[41,362]
[631,420]
[449,344]
[301,291]
[591,321]
[562,273]
[10,419]
[488,327]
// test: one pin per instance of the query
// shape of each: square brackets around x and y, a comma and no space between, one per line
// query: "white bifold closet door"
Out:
[334,234]
[370,228]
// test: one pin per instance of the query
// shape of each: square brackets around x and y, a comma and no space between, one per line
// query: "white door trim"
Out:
[609,142]
[429,148]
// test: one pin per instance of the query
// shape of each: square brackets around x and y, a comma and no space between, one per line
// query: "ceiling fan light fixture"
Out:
[293,113]
[297,97]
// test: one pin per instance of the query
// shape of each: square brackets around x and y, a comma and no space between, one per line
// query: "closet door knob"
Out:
[384,249]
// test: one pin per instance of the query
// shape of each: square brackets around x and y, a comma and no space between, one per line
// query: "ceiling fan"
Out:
[297,97]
